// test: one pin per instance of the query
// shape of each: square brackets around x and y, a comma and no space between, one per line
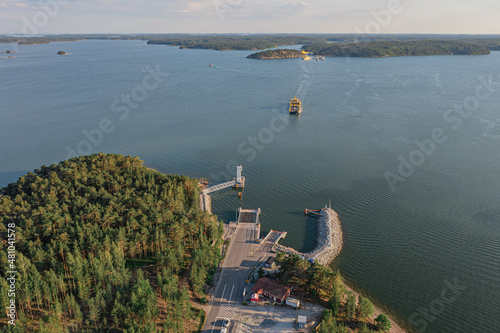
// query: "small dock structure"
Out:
[205,199]
[237,182]
[274,237]
[312,212]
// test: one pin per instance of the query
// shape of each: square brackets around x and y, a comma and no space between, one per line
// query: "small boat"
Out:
[295,106]
[210,65]
[143,70]
[306,58]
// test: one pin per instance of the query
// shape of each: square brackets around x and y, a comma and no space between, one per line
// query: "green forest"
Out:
[105,244]
[276,54]
[236,42]
[266,41]
[344,311]
[396,48]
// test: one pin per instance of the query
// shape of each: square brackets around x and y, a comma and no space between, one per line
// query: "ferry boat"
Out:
[295,106]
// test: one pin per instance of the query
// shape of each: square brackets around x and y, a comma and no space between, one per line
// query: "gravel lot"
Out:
[268,318]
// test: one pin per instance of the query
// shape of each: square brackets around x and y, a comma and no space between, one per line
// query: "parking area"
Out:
[268,318]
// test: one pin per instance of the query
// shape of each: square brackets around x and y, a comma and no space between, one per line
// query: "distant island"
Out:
[257,42]
[61,53]
[235,42]
[381,49]
[277,54]
[378,49]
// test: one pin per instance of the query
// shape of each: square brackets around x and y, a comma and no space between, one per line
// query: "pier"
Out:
[329,239]
[206,200]
[206,203]
[238,182]
[312,212]
[273,237]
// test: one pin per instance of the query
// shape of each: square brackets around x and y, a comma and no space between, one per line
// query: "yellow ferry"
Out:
[295,106]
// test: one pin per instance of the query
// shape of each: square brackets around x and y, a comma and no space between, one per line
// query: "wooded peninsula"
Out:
[103,243]
[378,49]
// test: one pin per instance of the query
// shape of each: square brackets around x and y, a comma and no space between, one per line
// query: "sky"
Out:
[249,16]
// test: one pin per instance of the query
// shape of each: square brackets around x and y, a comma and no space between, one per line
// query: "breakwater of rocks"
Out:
[329,240]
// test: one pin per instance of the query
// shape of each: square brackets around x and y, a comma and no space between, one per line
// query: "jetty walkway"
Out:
[206,201]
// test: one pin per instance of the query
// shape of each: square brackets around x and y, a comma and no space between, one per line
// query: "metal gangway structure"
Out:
[218,187]
[205,199]
[238,182]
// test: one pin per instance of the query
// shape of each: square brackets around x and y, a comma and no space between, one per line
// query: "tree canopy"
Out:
[276,54]
[104,243]
[397,48]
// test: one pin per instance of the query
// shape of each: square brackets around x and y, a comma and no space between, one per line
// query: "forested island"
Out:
[325,42]
[105,244]
[235,42]
[378,49]
[397,49]
[277,54]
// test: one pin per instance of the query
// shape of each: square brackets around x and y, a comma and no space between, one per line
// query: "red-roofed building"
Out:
[270,287]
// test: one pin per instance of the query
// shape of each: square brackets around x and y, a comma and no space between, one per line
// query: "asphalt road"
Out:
[243,254]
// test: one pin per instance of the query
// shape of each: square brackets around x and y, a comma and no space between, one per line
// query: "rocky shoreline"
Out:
[329,239]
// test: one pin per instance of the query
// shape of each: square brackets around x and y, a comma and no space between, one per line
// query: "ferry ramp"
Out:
[248,215]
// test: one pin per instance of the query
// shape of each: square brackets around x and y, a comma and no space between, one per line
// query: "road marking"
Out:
[227,308]
[213,326]
[256,249]
[222,296]
[227,311]
[231,293]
